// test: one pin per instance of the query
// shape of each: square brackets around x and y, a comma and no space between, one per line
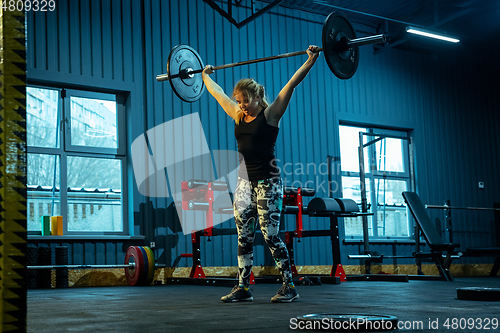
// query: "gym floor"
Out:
[419,305]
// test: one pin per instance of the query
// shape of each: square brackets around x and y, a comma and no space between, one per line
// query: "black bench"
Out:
[333,209]
[442,253]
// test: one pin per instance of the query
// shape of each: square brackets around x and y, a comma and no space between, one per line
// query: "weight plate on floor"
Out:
[347,322]
[134,255]
[151,266]
[145,270]
[189,88]
[342,60]
[478,294]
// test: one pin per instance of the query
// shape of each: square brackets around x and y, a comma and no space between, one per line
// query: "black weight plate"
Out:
[347,322]
[478,294]
[188,88]
[343,61]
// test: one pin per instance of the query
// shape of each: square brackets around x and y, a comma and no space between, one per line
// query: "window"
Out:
[44,197]
[76,156]
[385,166]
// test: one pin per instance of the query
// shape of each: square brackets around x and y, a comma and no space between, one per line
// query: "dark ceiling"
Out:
[475,22]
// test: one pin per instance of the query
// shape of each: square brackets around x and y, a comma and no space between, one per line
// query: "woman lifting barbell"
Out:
[259,193]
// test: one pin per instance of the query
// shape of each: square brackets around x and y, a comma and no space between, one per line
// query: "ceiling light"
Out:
[431,34]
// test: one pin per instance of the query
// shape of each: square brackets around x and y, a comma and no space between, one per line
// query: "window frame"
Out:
[120,122]
[372,175]
[64,150]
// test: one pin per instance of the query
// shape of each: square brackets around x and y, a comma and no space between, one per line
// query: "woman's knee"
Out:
[274,241]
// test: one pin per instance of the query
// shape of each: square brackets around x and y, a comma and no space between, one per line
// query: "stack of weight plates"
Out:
[143,261]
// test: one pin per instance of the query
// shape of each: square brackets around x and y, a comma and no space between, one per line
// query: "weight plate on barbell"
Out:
[152,266]
[348,322]
[133,275]
[145,271]
[183,58]
[342,60]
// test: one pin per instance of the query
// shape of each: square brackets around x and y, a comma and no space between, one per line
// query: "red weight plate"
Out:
[134,255]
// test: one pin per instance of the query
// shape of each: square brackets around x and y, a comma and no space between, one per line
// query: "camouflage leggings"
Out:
[262,200]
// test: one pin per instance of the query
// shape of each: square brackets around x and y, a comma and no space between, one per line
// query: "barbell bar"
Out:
[340,47]
[370,256]
[188,72]
[381,256]
[139,266]
[129,266]
[464,208]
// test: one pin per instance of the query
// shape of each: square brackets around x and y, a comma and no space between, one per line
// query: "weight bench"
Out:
[333,209]
[442,253]
[292,205]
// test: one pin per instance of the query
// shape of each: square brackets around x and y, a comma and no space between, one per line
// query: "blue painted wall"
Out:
[448,103]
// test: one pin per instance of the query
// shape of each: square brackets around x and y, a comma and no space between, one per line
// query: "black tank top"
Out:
[256,141]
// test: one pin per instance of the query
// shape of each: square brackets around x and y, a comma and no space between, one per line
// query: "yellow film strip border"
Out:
[13,160]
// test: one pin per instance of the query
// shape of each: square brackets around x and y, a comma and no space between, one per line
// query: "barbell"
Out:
[139,266]
[463,208]
[340,47]
[381,257]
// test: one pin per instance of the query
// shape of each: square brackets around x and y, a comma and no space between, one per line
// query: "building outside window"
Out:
[387,172]
[76,156]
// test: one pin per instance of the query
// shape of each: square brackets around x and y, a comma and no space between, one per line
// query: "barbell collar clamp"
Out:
[183,74]
[162,77]
[376,39]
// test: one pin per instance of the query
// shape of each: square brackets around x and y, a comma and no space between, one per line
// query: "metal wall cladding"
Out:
[449,107]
